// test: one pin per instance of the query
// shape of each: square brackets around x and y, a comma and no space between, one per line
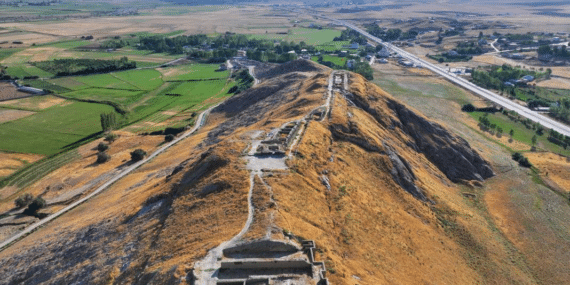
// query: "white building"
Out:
[383,53]
[31,90]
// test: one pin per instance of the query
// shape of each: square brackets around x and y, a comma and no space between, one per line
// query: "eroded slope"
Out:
[371,183]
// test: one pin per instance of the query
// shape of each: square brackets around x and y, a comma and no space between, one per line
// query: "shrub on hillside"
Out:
[138,154]
[468,108]
[523,161]
[169,138]
[102,147]
[24,200]
[35,206]
[103,157]
[110,137]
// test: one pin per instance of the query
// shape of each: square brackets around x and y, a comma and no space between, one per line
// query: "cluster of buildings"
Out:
[518,82]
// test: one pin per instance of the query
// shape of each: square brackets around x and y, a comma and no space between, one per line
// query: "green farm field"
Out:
[332,46]
[521,133]
[146,79]
[123,97]
[334,59]
[51,130]
[105,81]
[195,71]
[22,71]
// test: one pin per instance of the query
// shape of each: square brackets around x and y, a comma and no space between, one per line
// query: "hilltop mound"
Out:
[282,177]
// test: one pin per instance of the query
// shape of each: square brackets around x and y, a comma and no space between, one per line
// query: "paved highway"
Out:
[497,99]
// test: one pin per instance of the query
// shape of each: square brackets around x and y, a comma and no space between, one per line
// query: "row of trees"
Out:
[362,68]
[486,125]
[496,76]
[244,82]
[271,56]
[175,45]
[562,110]
[72,66]
[352,36]
[558,139]
[561,51]
[108,121]
[390,34]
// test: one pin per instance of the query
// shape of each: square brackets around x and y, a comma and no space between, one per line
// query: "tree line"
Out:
[561,51]
[80,66]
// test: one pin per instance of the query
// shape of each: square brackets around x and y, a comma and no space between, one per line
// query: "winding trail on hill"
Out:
[200,122]
[206,270]
[251,72]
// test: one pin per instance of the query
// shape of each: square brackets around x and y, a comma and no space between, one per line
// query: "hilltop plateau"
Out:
[311,176]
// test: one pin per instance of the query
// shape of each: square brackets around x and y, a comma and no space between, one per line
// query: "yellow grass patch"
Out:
[553,167]
[11,115]
[43,53]
[11,162]
[558,83]
[40,103]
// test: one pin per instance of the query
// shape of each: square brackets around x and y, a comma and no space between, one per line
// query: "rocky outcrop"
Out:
[403,174]
[451,154]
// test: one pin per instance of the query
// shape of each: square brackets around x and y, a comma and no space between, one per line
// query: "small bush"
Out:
[110,137]
[138,154]
[103,157]
[523,161]
[468,108]
[35,206]
[102,147]
[169,138]
[24,200]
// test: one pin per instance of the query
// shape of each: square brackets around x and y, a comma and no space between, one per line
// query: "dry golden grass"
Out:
[10,162]
[11,115]
[366,225]
[552,167]
[239,20]
[558,83]
[41,103]
[41,54]
[27,39]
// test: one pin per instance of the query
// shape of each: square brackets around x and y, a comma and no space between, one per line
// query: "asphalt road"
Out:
[491,96]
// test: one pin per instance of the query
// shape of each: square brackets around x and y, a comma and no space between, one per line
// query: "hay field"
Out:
[35,103]
[553,167]
[236,20]
[11,162]
[7,115]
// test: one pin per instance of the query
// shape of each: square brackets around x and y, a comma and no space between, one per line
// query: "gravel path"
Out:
[206,270]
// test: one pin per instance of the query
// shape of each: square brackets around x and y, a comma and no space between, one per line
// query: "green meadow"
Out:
[51,130]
